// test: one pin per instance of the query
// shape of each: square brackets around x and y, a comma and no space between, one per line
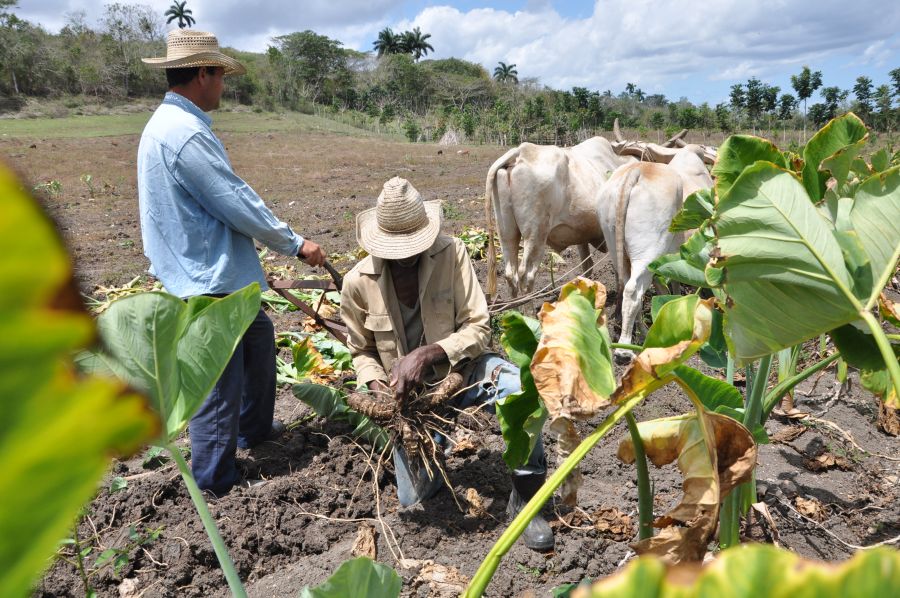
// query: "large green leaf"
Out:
[674,267]
[876,221]
[713,393]
[858,346]
[657,302]
[697,208]
[329,403]
[779,258]
[736,154]
[361,577]
[522,414]
[172,350]
[752,570]
[830,152]
[58,431]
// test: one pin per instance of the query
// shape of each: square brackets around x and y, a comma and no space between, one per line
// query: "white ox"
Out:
[635,207]
[545,195]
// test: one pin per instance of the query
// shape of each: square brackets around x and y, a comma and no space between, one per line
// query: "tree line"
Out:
[396,88]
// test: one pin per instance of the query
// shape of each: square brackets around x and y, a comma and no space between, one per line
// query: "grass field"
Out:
[111,125]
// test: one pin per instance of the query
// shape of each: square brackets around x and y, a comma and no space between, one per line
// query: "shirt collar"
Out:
[176,99]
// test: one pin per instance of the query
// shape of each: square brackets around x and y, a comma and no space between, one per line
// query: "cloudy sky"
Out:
[663,46]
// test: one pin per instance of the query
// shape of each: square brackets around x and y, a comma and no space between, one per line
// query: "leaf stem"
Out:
[728,521]
[511,534]
[884,345]
[626,346]
[645,492]
[754,406]
[234,581]
[774,396]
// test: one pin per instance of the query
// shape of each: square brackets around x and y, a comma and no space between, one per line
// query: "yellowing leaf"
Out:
[309,363]
[572,365]
[714,453]
[58,431]
[890,311]
[679,331]
[753,570]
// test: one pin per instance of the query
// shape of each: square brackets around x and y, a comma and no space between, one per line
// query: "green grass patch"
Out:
[108,125]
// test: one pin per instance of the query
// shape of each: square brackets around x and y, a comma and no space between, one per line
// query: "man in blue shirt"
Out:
[198,222]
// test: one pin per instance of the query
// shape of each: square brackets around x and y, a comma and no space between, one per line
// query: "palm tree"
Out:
[413,42]
[388,42]
[506,73]
[178,11]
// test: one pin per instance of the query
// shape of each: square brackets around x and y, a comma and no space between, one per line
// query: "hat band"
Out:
[402,231]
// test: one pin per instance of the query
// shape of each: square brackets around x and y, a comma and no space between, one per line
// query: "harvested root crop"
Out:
[414,423]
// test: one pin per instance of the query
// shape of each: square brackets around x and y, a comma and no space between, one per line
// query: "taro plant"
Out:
[790,248]
[59,429]
[567,374]
[796,247]
[174,351]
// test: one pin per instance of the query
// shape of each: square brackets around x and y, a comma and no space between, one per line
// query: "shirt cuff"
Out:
[455,349]
[298,243]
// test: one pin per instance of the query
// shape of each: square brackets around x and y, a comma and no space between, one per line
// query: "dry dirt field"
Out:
[298,527]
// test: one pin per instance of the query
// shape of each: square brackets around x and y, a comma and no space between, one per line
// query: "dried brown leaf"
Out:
[441,581]
[613,524]
[788,434]
[714,455]
[827,461]
[476,504]
[888,420]
[365,544]
[812,508]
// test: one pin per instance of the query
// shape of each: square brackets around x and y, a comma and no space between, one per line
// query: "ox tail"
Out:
[623,264]
[490,191]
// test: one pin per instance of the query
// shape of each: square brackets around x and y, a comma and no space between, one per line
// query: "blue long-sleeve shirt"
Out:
[198,218]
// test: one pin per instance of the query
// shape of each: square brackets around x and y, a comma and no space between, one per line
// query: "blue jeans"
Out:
[488,388]
[238,411]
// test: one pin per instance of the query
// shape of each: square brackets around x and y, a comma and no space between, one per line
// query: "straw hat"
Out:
[401,224]
[186,48]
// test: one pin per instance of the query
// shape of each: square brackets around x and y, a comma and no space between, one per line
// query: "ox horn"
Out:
[616,131]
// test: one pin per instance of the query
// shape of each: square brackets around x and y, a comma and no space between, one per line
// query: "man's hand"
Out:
[311,253]
[410,371]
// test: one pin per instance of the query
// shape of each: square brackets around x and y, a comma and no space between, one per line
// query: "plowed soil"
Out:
[322,486]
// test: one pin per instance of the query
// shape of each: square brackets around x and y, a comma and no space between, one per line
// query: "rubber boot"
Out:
[538,535]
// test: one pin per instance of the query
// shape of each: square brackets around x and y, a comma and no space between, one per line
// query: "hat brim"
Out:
[231,66]
[392,246]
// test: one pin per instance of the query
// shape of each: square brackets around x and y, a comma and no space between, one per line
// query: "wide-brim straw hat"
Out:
[400,225]
[187,48]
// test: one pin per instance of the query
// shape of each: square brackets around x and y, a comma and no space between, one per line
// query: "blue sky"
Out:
[664,46]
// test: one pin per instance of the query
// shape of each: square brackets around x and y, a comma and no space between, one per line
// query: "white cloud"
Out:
[657,44]
[677,47]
